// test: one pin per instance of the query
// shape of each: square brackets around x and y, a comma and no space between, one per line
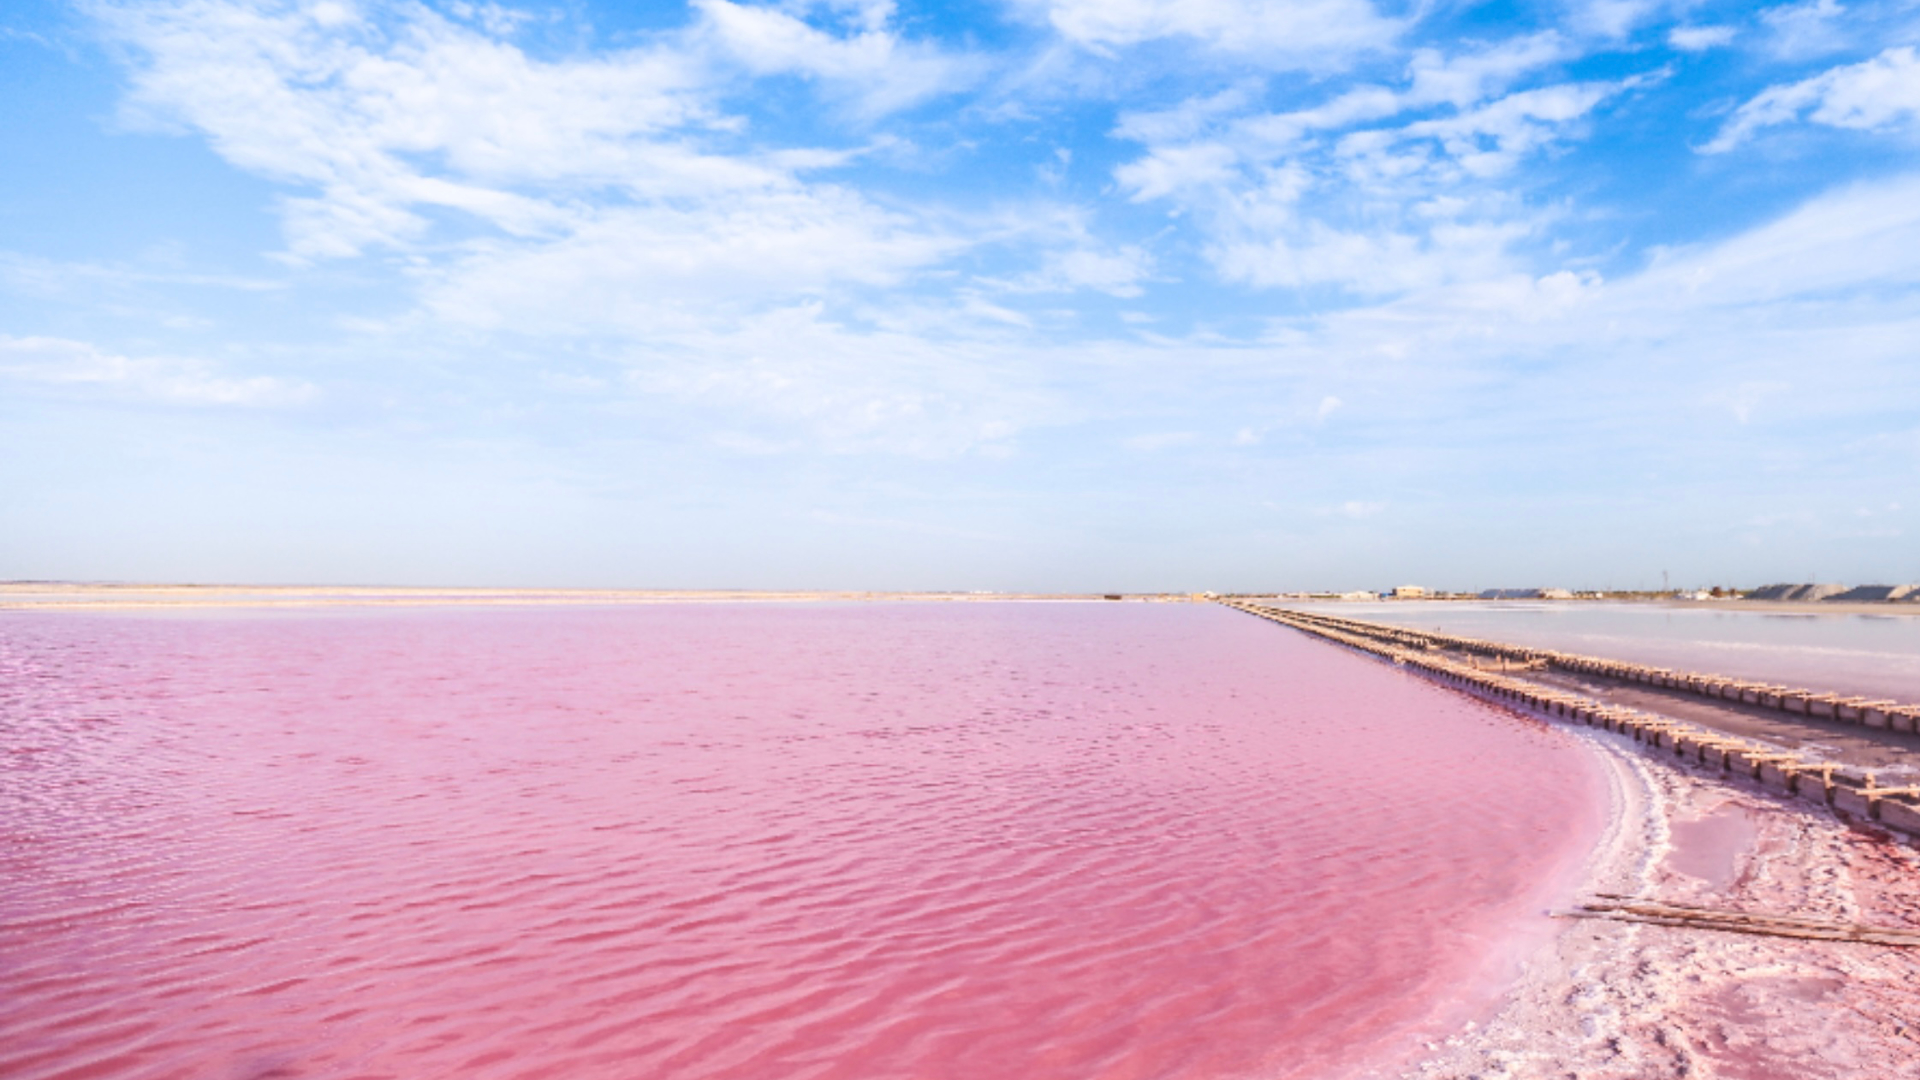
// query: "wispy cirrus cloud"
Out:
[1379,189]
[1810,28]
[378,119]
[871,67]
[1309,34]
[1697,39]
[389,119]
[1875,94]
[81,366]
[1318,255]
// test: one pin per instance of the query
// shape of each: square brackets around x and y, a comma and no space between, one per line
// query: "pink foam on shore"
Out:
[746,841]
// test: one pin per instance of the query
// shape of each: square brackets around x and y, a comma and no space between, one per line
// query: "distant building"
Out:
[1359,594]
[1526,594]
[1409,592]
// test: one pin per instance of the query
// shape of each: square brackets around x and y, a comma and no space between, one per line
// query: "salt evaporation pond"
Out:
[754,841]
[1877,655]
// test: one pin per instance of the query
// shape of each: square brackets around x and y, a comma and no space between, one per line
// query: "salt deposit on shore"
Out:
[1629,1001]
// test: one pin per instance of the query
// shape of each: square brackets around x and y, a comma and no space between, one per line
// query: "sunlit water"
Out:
[1874,655]
[752,841]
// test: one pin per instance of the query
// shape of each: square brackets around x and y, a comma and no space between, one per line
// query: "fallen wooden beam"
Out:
[1696,917]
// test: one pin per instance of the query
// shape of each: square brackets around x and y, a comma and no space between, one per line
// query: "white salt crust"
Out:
[1623,1001]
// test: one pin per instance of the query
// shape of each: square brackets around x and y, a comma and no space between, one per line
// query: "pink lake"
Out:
[966,840]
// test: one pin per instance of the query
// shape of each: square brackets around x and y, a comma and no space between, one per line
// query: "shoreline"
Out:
[1622,1000]
[1610,1000]
[35,596]
[1630,1000]
[1529,1018]
[1875,736]
[110,596]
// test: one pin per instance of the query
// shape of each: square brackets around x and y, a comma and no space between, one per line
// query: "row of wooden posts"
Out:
[1849,790]
[1869,712]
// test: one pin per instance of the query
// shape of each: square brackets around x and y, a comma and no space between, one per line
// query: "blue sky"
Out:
[1055,294]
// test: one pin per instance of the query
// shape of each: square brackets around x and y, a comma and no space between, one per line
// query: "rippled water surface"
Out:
[751,841]
[1876,655]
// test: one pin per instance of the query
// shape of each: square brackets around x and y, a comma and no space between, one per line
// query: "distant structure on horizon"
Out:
[1789,592]
[1859,593]
[1881,593]
[1796,592]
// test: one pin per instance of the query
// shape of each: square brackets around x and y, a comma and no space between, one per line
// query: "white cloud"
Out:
[639,269]
[1860,237]
[1311,34]
[1492,138]
[1332,196]
[591,199]
[1116,272]
[1187,119]
[1378,190]
[738,281]
[1460,79]
[379,121]
[1700,38]
[1465,77]
[612,207]
[1373,264]
[873,65]
[304,98]
[1171,169]
[1613,18]
[1836,278]
[177,381]
[1806,29]
[42,276]
[1879,93]
[796,371]
[1273,133]
[612,256]
[383,121]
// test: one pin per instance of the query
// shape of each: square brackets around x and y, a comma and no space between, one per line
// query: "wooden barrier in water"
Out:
[1868,712]
[1855,792]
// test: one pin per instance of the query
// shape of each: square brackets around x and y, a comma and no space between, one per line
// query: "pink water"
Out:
[752,841]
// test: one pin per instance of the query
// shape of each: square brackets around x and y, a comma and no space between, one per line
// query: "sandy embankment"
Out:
[1626,1001]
